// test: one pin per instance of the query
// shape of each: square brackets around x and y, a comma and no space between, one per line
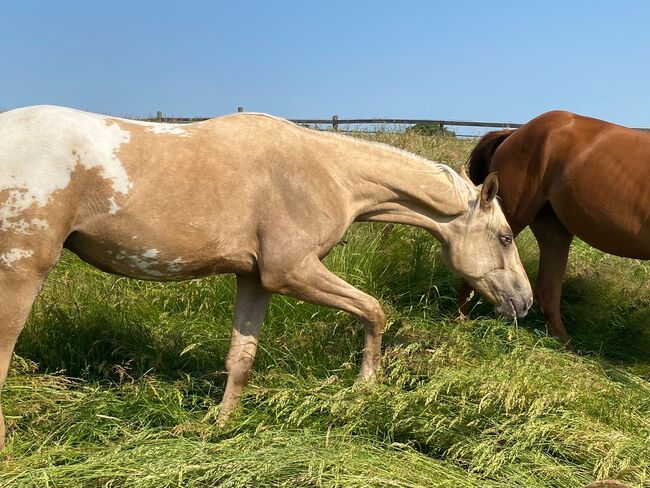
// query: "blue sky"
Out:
[471,60]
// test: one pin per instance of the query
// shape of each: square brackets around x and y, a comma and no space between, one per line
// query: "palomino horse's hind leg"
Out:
[17,293]
[554,241]
[312,282]
[251,304]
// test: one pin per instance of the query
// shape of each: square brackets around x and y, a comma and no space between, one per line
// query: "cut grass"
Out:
[116,380]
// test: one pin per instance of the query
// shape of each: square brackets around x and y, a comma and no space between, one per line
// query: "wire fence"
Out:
[367,125]
[372,125]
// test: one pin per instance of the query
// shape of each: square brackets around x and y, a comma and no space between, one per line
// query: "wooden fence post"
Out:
[335,122]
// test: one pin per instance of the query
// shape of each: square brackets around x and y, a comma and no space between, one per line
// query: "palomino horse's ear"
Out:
[463,173]
[489,189]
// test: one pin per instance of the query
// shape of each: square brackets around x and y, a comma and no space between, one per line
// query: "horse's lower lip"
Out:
[506,308]
[515,312]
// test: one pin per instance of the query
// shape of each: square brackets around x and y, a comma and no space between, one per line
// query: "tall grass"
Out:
[115,379]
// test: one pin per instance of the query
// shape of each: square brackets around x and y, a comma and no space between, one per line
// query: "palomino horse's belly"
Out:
[158,261]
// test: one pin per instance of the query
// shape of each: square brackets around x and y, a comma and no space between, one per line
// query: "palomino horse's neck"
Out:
[396,186]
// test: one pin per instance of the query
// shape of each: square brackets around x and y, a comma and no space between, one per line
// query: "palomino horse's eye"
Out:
[506,239]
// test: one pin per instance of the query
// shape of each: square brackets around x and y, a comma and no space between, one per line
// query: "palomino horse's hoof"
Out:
[217,416]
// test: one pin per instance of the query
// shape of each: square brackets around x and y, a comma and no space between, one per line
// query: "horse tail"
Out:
[481,156]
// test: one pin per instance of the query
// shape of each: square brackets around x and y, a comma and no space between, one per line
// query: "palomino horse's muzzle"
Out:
[515,305]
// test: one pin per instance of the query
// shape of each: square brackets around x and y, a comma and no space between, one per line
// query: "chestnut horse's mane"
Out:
[479,159]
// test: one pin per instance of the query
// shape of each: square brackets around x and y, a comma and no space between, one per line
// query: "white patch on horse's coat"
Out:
[173,129]
[162,128]
[11,210]
[36,160]
[15,254]
[113,206]
[151,253]
[21,226]
[175,265]
[144,263]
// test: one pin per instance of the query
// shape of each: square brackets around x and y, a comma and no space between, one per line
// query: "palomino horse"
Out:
[564,175]
[248,194]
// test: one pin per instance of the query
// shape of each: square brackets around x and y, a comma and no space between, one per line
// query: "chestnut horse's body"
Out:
[566,175]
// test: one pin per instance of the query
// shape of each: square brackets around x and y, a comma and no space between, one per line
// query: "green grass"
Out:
[115,380]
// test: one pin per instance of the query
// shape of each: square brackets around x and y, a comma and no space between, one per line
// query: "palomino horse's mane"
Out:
[454,177]
[458,182]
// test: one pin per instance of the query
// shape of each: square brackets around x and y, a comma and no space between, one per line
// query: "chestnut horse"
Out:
[248,194]
[566,175]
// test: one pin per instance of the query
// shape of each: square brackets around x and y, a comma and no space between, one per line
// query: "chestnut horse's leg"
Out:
[312,282]
[554,241]
[464,299]
[17,293]
[251,304]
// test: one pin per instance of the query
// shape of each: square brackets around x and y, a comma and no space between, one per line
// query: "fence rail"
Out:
[335,122]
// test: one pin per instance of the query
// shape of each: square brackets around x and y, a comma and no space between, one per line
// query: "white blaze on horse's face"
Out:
[484,253]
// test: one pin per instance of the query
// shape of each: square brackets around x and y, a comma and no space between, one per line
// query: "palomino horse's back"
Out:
[157,201]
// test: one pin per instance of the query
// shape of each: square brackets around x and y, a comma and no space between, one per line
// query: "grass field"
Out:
[115,381]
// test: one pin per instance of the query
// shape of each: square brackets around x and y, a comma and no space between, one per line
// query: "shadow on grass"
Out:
[136,336]
[602,321]
[607,321]
[96,344]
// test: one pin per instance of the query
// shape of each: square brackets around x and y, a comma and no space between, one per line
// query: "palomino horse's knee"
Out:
[374,316]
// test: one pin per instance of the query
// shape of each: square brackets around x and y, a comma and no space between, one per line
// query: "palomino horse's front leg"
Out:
[251,304]
[312,282]
[17,293]
[554,241]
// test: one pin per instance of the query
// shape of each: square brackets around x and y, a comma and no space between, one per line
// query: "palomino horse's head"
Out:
[481,249]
